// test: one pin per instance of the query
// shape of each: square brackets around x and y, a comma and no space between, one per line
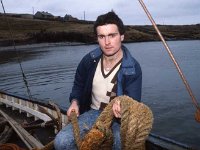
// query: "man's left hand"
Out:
[117,109]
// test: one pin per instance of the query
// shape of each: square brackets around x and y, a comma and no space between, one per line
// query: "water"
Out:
[50,69]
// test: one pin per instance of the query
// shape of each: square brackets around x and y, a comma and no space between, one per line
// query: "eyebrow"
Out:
[115,33]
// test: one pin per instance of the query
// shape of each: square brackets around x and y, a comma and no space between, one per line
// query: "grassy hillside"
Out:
[37,31]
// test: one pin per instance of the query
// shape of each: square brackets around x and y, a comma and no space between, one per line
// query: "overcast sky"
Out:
[170,12]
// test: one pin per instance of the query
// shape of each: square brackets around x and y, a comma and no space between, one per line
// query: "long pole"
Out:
[172,57]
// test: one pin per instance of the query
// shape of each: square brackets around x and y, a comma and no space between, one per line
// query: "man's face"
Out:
[109,39]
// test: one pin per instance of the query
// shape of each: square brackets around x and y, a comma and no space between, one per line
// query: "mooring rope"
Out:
[136,124]
[10,146]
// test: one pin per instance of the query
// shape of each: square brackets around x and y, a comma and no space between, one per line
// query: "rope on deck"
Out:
[136,124]
[10,146]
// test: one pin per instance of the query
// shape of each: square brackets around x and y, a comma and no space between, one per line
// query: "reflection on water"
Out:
[50,72]
[12,55]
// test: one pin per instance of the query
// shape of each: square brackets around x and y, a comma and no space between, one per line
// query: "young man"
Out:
[104,73]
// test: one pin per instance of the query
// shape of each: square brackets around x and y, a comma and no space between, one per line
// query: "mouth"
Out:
[108,47]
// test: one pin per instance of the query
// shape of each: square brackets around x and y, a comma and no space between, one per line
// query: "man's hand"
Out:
[73,107]
[116,109]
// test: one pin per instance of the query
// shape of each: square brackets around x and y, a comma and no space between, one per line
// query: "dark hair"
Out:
[109,18]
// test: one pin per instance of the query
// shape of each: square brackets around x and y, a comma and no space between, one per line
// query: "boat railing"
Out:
[30,107]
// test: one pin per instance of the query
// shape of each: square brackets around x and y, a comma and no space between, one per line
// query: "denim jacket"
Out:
[129,78]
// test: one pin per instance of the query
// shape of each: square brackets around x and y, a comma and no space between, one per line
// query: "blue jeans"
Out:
[65,138]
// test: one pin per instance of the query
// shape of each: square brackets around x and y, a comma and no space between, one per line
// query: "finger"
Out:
[77,113]
[118,110]
[117,114]
[117,106]
[117,102]
[68,112]
[115,111]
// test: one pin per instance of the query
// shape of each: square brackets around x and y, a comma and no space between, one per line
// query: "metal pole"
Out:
[171,56]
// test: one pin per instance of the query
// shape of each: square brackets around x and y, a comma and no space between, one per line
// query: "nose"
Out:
[107,40]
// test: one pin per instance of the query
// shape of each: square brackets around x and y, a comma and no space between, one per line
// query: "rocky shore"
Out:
[29,31]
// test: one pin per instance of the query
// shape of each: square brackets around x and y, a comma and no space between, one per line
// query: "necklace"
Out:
[107,68]
[109,65]
[110,62]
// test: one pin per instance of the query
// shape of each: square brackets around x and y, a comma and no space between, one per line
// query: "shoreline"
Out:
[35,31]
[67,43]
[60,44]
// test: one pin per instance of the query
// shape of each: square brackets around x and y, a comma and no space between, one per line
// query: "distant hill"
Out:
[27,30]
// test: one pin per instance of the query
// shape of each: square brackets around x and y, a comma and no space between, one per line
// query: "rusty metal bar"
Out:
[171,55]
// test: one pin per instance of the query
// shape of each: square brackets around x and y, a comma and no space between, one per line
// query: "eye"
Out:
[113,35]
[100,36]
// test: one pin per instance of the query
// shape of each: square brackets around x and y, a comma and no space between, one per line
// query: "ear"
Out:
[122,37]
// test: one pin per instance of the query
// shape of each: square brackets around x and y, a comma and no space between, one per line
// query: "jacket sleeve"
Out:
[79,80]
[133,84]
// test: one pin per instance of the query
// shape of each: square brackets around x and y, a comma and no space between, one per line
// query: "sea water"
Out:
[50,69]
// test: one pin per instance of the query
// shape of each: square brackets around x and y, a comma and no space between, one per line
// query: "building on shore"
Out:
[43,15]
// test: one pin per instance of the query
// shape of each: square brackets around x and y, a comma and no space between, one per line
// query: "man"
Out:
[104,73]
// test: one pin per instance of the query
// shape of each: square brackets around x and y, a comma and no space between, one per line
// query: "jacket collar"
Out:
[96,53]
[127,61]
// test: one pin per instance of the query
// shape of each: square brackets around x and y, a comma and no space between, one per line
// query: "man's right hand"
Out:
[73,107]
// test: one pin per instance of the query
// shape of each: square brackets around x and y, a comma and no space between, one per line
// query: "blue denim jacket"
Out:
[129,79]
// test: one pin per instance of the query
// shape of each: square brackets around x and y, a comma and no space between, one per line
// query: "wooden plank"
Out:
[28,139]
[24,108]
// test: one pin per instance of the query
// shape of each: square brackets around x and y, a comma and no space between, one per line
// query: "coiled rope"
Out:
[10,146]
[136,124]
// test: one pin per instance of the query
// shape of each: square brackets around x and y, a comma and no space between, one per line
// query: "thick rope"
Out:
[136,124]
[76,129]
[10,146]
[49,146]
